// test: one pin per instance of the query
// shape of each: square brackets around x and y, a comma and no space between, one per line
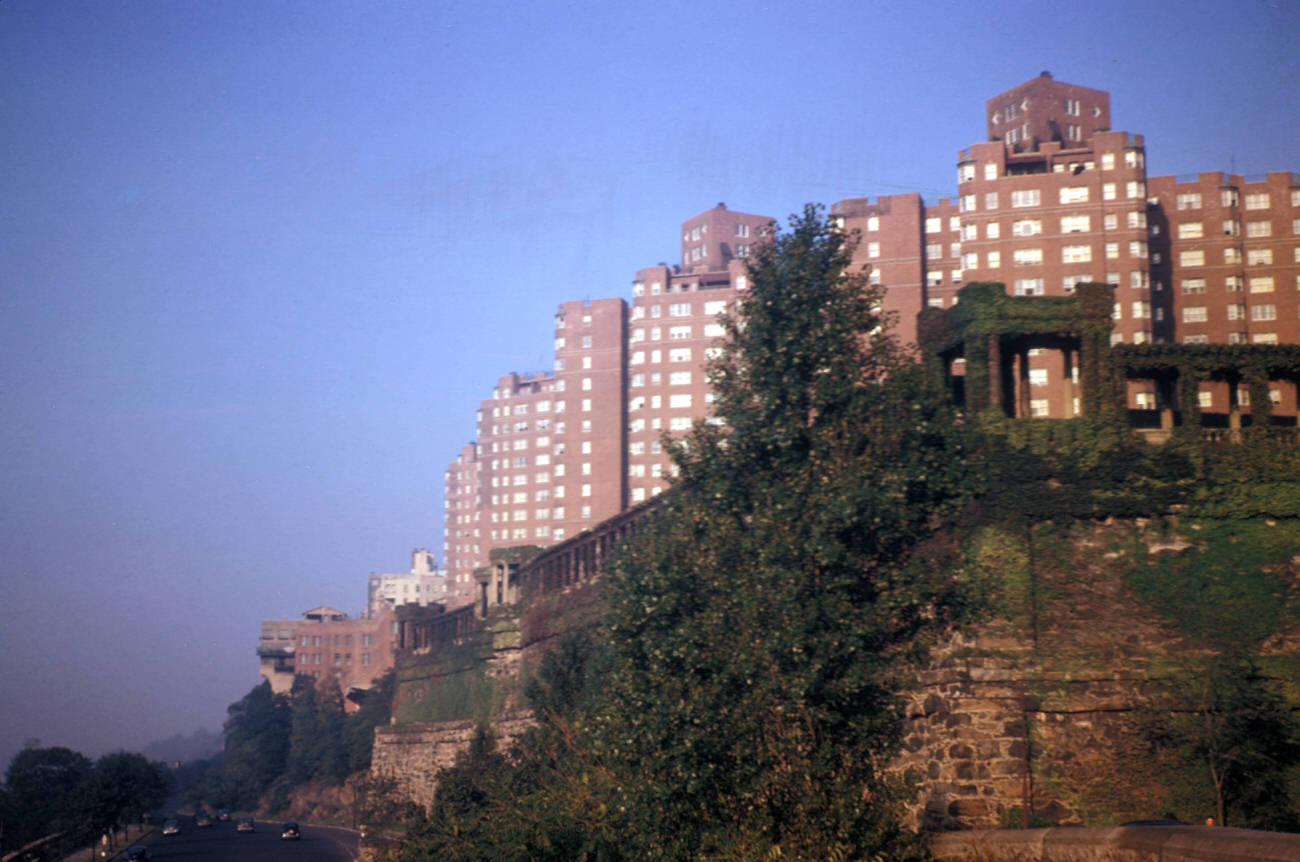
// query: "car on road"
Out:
[202,820]
[223,814]
[171,827]
[137,853]
[289,832]
[245,824]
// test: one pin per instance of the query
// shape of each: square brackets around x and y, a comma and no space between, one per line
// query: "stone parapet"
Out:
[1116,844]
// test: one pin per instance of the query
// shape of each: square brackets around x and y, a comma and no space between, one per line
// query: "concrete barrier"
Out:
[1116,844]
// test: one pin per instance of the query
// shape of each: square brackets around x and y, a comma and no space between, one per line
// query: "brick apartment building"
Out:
[328,645]
[561,451]
[1052,199]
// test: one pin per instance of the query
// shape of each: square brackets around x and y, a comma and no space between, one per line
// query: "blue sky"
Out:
[260,261]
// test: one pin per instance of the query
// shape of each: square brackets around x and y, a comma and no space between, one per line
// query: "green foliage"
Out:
[1230,589]
[548,799]
[122,787]
[760,625]
[1227,742]
[44,793]
[276,742]
[57,791]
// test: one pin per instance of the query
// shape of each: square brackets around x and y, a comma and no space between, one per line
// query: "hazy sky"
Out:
[260,261]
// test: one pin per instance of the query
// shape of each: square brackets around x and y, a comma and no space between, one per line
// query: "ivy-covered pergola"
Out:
[1179,369]
[994,333]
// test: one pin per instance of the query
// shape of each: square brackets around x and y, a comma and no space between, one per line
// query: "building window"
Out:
[1075,224]
[992,230]
[1139,219]
[1137,248]
[1236,311]
[1038,377]
[1071,282]
[1141,310]
[990,171]
[1267,338]
[1190,230]
[1027,256]
[1232,255]
[1026,227]
[1258,201]
[1074,194]
[873,249]
[990,200]
[1259,228]
[1135,189]
[1193,285]
[1194,314]
[1263,312]
[1189,201]
[1076,254]
[1026,198]
[1192,257]
[1038,408]
[994,258]
[933,225]
[1259,256]
[1261,284]
[1028,287]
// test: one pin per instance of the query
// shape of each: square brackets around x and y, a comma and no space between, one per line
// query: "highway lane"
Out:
[221,843]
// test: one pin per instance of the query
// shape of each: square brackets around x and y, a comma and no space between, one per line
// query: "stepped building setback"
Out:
[1054,198]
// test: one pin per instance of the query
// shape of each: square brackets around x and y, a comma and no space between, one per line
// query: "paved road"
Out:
[221,843]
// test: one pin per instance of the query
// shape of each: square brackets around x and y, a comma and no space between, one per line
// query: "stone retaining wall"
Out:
[1119,843]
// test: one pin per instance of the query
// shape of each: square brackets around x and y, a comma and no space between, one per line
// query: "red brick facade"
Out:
[1053,198]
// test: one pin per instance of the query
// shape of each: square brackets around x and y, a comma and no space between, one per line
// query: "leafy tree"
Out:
[548,799]
[43,789]
[759,626]
[122,787]
[1229,740]
[257,748]
[359,728]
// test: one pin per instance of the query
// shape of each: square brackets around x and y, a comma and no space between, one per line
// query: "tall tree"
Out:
[257,746]
[760,625]
[122,787]
[43,788]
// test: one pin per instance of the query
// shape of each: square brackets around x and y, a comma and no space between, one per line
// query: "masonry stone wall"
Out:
[1022,720]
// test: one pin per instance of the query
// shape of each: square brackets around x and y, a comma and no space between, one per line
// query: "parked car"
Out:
[289,832]
[245,824]
[137,853]
[171,827]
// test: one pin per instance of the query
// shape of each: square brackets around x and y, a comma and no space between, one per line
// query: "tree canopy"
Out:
[742,699]
[759,627]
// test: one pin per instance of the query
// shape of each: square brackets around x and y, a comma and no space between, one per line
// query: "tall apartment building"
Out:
[548,456]
[1053,198]
[561,451]
[672,333]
